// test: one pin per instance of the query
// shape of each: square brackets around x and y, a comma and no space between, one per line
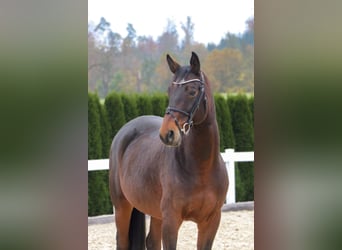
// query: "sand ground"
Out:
[236,232]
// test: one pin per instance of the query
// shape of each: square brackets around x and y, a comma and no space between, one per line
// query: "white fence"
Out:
[229,157]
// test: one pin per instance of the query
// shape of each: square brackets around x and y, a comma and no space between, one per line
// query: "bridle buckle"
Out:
[186,127]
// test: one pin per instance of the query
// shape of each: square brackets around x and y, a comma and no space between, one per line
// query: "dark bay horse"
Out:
[170,168]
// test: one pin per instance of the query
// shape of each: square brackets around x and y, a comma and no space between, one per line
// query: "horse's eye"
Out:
[192,92]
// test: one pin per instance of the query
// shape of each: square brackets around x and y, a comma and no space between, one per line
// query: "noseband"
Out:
[188,124]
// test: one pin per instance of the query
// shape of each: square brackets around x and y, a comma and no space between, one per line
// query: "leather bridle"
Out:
[188,124]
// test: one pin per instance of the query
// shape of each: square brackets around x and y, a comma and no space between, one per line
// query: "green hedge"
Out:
[244,136]
[98,146]
[144,105]
[224,121]
[235,115]
[115,111]
[130,106]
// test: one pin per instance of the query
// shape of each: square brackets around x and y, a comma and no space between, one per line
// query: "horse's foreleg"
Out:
[170,227]
[207,231]
[122,220]
[153,240]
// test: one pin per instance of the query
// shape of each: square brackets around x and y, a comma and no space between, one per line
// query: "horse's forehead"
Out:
[182,72]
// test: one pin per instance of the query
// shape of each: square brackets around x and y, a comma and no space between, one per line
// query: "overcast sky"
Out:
[212,19]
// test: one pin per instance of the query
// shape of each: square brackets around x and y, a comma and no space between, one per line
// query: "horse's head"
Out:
[187,101]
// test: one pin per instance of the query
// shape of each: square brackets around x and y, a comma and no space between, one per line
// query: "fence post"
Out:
[230,165]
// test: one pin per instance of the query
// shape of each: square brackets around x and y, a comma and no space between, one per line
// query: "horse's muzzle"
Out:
[171,138]
[169,133]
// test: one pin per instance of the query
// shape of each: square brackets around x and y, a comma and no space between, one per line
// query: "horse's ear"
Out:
[173,65]
[195,64]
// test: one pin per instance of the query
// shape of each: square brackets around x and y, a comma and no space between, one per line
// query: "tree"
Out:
[162,75]
[248,35]
[129,40]
[106,74]
[231,41]
[168,41]
[103,25]
[247,68]
[188,29]
[137,63]
[101,52]
[147,72]
[93,57]
[224,68]
[114,41]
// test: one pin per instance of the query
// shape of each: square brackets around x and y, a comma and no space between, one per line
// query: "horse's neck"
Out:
[204,138]
[202,144]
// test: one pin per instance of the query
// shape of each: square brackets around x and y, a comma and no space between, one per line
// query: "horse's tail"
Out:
[137,230]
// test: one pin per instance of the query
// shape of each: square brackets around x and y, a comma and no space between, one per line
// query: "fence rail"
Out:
[229,156]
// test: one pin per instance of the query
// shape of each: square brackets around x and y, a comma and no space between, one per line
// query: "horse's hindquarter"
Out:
[140,162]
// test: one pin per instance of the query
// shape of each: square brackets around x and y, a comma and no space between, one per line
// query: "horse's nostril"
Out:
[170,136]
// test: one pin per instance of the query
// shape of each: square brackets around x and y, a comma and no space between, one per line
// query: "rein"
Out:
[189,123]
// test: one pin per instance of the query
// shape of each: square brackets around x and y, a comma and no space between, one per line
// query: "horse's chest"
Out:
[200,204]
